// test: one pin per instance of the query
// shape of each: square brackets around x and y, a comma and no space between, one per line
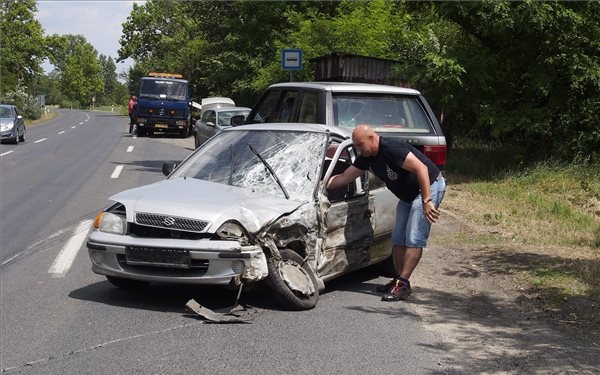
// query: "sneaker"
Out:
[386,287]
[399,291]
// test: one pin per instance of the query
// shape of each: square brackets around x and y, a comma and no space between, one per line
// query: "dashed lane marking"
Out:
[6,153]
[67,255]
[130,148]
[40,140]
[117,172]
[61,132]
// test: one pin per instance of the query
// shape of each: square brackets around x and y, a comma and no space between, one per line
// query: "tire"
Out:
[196,141]
[289,299]
[22,138]
[127,283]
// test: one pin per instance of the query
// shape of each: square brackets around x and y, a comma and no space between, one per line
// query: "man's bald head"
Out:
[366,140]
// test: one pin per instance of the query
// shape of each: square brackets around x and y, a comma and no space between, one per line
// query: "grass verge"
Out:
[545,214]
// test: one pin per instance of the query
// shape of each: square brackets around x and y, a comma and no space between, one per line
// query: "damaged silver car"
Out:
[249,205]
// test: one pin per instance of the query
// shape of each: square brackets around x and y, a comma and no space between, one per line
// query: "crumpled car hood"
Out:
[207,201]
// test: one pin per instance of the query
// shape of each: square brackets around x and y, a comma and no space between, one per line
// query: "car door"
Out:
[347,218]
[207,126]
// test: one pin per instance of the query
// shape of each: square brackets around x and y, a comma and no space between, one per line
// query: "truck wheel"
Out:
[292,281]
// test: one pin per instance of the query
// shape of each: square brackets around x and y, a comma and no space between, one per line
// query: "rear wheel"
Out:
[127,283]
[292,281]
[22,137]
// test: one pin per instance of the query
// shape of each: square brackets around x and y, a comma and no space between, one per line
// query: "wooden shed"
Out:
[340,67]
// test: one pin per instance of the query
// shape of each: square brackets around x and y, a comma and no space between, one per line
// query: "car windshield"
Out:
[5,112]
[228,158]
[163,89]
[385,113]
[225,116]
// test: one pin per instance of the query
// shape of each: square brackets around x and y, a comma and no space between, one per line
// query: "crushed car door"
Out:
[346,217]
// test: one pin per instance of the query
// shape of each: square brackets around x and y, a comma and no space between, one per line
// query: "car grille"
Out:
[170,222]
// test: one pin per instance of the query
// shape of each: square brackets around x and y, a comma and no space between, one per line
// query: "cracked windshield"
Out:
[295,158]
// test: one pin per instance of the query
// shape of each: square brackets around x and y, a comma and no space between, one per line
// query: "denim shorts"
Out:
[412,227]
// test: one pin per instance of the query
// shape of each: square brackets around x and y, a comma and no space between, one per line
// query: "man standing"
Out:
[131,110]
[419,185]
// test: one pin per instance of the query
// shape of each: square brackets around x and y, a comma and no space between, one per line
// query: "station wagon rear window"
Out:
[385,113]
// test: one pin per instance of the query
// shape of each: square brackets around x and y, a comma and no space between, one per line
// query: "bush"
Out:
[27,104]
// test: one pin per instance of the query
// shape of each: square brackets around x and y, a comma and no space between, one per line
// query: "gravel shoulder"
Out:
[489,319]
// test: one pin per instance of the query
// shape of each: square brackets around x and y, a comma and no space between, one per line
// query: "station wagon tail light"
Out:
[110,223]
[437,154]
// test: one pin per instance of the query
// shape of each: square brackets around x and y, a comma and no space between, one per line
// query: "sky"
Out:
[100,22]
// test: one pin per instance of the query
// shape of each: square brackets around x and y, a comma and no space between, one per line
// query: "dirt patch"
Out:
[481,301]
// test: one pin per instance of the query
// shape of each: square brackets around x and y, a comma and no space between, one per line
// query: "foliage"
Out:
[26,103]
[22,48]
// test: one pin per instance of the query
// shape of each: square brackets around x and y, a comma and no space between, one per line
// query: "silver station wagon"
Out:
[249,204]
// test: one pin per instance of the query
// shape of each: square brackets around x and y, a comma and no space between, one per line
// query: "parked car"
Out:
[249,205]
[12,125]
[215,120]
[392,111]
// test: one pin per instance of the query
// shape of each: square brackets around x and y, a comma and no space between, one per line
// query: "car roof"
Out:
[295,126]
[348,87]
[223,109]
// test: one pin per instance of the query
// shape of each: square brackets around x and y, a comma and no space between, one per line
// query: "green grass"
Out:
[548,207]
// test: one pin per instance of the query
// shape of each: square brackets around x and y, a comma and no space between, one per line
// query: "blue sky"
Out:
[100,22]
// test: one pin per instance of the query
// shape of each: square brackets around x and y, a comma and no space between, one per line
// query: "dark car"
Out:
[392,111]
[215,120]
[12,126]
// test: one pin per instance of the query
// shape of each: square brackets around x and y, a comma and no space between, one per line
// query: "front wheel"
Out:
[292,281]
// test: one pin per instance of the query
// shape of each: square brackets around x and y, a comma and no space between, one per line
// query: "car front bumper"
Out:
[210,262]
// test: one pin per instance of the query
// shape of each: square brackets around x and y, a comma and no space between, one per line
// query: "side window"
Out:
[287,107]
[208,116]
[267,108]
[344,161]
[308,108]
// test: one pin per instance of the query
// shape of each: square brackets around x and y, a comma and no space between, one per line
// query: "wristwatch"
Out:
[426,201]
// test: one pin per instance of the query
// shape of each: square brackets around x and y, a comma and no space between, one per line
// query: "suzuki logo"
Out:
[168,221]
[162,112]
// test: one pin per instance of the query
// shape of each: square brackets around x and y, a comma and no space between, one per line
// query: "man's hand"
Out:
[431,213]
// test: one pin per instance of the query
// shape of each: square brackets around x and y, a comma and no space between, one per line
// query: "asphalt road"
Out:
[67,320]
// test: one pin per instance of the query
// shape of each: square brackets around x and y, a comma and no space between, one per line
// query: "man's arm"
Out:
[343,179]
[414,165]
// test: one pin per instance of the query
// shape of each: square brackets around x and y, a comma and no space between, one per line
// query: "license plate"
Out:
[162,126]
[158,257]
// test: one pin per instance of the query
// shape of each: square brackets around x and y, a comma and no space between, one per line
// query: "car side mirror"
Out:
[237,120]
[168,167]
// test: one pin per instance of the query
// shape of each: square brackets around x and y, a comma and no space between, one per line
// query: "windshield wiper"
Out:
[287,196]
[232,171]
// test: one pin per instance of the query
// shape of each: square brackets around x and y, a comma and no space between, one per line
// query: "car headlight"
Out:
[233,231]
[110,223]
[8,125]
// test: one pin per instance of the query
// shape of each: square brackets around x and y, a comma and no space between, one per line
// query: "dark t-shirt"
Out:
[387,165]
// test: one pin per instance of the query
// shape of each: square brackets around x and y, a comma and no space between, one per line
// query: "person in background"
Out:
[420,187]
[131,109]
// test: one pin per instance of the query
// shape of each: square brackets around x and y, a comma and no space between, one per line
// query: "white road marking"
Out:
[73,127]
[6,153]
[81,123]
[130,148]
[62,132]
[117,171]
[40,140]
[67,255]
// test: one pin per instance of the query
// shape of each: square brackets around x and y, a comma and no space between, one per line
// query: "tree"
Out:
[22,47]
[81,75]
